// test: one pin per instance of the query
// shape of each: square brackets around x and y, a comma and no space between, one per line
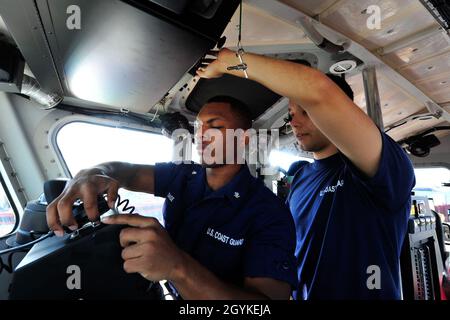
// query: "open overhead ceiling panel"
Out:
[123,54]
[254,95]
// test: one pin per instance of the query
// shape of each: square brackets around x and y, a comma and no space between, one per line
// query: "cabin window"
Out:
[284,159]
[434,183]
[83,145]
[8,216]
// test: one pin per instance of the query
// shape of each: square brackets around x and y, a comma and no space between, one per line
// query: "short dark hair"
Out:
[340,81]
[239,108]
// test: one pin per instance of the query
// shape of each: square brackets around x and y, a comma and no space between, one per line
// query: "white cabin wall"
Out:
[17,138]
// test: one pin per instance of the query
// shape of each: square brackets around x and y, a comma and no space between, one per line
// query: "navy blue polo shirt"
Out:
[241,230]
[350,228]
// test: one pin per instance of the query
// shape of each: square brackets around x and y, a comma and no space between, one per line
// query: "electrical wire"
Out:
[26,245]
[9,266]
[425,116]
[155,114]
[396,126]
[240,26]
[142,119]
[7,236]
[125,203]
[434,129]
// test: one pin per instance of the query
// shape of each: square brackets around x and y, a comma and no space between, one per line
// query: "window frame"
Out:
[430,166]
[12,203]
[303,156]
[53,134]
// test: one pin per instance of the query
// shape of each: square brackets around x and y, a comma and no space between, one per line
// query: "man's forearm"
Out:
[193,281]
[302,84]
[130,176]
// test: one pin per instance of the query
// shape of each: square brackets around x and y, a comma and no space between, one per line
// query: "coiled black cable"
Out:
[126,205]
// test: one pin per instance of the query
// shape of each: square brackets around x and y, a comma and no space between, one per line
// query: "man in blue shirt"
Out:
[352,204]
[226,235]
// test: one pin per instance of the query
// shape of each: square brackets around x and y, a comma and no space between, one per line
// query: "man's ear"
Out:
[244,140]
[246,137]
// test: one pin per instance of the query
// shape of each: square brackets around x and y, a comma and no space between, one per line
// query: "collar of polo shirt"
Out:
[236,189]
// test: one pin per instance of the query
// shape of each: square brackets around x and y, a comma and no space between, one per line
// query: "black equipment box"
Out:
[85,264]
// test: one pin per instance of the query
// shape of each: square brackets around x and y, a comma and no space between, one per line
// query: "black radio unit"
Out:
[85,264]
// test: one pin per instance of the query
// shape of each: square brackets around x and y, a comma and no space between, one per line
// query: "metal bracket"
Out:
[372,96]
[242,66]
[5,160]
[435,110]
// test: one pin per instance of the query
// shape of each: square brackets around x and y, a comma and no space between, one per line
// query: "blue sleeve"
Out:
[394,179]
[271,248]
[165,174]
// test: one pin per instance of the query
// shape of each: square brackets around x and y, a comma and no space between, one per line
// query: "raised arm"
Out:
[133,177]
[334,114]
[88,184]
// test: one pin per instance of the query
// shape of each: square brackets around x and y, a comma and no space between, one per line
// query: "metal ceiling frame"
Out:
[25,26]
[272,114]
[372,94]
[293,16]
[10,177]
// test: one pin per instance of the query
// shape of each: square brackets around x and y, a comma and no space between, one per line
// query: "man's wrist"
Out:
[229,58]
[90,172]
[109,170]
[179,273]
